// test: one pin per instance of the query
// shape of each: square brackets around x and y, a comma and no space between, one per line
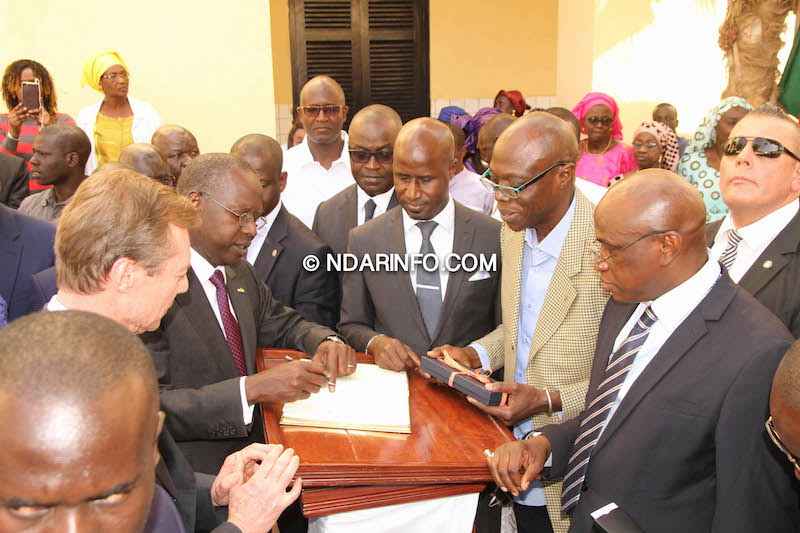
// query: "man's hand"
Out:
[285,383]
[391,354]
[16,117]
[256,505]
[338,359]
[238,468]
[524,401]
[512,458]
[466,356]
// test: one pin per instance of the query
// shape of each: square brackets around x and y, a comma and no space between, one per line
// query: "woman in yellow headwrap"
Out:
[117,120]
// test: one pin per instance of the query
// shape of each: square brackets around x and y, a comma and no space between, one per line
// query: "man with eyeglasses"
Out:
[318,167]
[371,143]
[552,298]
[783,426]
[148,161]
[673,429]
[758,242]
[282,242]
[178,145]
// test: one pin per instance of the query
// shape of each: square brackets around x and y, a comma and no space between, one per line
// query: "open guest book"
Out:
[371,399]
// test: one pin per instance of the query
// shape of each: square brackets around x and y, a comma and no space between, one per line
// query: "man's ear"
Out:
[671,244]
[122,274]
[452,168]
[71,159]
[194,197]
[282,181]
[159,426]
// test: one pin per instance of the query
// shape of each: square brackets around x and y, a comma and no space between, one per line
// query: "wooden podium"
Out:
[345,470]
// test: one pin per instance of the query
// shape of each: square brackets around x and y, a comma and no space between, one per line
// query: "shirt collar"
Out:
[55,304]
[381,200]
[269,219]
[202,268]
[673,307]
[465,174]
[761,232]
[308,159]
[446,218]
[554,242]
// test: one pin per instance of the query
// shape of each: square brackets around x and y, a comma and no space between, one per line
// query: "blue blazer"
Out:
[43,287]
[26,247]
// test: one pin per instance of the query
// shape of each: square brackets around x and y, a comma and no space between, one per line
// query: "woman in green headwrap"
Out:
[117,120]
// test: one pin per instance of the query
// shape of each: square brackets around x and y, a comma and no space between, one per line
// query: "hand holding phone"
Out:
[31,96]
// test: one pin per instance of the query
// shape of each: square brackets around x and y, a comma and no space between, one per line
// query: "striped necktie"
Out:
[232,333]
[597,411]
[728,257]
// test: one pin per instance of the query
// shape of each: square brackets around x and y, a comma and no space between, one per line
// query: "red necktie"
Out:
[232,333]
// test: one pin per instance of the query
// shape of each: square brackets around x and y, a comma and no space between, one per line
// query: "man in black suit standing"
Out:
[758,242]
[673,432]
[398,315]
[13,180]
[282,241]
[372,134]
[205,347]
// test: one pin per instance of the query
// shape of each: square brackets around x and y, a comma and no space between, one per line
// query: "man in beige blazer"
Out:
[552,298]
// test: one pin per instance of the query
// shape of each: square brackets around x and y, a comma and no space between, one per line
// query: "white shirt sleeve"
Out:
[483,355]
[247,410]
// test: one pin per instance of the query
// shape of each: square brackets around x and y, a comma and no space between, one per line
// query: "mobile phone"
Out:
[30,95]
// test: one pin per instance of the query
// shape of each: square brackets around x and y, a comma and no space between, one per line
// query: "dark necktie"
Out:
[596,412]
[728,257]
[232,333]
[429,284]
[369,210]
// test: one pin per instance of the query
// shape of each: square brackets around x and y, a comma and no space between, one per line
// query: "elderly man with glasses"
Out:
[552,298]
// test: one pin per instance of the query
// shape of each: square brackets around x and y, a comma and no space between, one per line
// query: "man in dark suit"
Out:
[758,242]
[398,315]
[26,247]
[372,134]
[673,432]
[783,425]
[205,347]
[282,241]
[13,180]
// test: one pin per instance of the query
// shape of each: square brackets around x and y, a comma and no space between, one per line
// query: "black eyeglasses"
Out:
[779,443]
[244,218]
[384,157]
[312,111]
[600,259]
[605,121]
[513,192]
[761,146]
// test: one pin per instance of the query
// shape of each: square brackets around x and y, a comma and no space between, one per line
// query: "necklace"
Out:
[599,153]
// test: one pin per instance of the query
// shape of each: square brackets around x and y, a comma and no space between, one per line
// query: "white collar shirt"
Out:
[467,189]
[264,225]
[381,203]
[441,241]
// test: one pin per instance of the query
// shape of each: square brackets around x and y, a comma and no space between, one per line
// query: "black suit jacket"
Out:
[44,285]
[686,449]
[26,247]
[197,375]
[13,180]
[336,216]
[384,302]
[774,278]
[280,264]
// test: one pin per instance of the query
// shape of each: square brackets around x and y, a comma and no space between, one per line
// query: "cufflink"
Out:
[274,253]
[239,289]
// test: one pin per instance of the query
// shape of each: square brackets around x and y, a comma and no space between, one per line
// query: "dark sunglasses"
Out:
[761,146]
[605,121]
[383,157]
[312,111]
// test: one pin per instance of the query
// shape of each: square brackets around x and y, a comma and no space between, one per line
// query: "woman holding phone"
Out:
[20,126]
[117,120]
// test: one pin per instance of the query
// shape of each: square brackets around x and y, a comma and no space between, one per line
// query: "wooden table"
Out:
[345,470]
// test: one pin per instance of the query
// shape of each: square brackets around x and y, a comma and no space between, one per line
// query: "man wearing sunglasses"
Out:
[758,242]
[783,426]
[318,167]
[372,134]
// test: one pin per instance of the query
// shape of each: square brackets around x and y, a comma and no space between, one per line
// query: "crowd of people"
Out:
[640,309]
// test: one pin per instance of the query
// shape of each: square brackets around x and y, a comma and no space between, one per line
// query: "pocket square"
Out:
[479,275]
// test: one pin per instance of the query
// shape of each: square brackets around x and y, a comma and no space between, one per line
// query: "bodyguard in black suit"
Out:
[371,137]
[13,180]
[673,432]
[762,194]
[282,241]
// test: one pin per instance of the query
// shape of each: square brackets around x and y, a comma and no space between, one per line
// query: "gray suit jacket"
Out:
[384,302]
[774,278]
[336,216]
[686,449]
[13,180]
[197,375]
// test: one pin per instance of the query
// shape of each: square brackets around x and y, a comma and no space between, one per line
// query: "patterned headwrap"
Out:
[449,111]
[593,99]
[520,105]
[94,67]
[474,126]
[670,155]
[706,134]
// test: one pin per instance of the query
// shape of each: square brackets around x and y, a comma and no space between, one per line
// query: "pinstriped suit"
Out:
[563,344]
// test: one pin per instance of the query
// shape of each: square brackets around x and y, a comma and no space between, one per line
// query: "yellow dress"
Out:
[111,135]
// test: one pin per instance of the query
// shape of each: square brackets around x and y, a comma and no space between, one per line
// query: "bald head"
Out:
[373,129]
[539,135]
[376,116]
[256,144]
[69,138]
[321,83]
[147,160]
[264,154]
[178,146]
[784,401]
[490,132]
[428,135]
[568,116]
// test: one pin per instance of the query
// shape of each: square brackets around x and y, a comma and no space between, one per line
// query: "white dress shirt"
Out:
[308,183]
[381,203]
[467,189]
[261,234]
[204,270]
[441,240]
[755,238]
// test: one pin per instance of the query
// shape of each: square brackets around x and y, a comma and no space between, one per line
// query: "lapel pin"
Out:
[239,289]
[767,264]
[274,253]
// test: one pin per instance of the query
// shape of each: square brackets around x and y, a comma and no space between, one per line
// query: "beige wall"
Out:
[281,50]
[201,64]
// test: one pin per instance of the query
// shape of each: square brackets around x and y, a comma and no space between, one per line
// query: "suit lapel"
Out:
[351,213]
[393,201]
[12,252]
[513,251]
[272,247]
[242,306]
[404,287]
[775,257]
